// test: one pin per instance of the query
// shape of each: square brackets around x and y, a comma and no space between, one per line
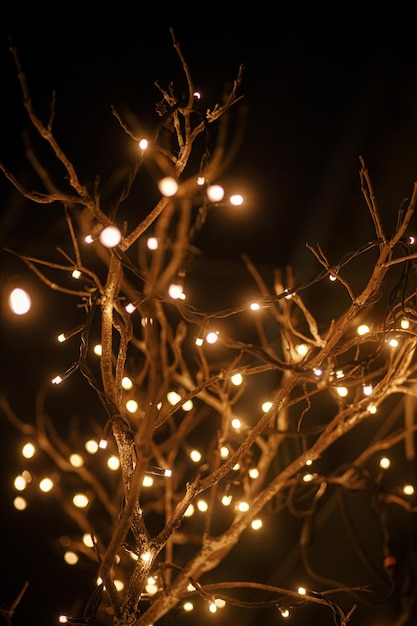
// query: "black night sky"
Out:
[321,88]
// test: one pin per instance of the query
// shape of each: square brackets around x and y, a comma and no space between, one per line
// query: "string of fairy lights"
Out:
[339,380]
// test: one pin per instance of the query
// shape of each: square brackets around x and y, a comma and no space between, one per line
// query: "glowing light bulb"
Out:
[173,397]
[243,506]
[189,512]
[176,291]
[127,383]
[236,199]
[132,406]
[371,408]
[408,490]
[20,301]
[130,308]
[188,606]
[256,524]
[76,274]
[367,389]
[110,237]
[20,483]
[253,472]
[237,379]
[20,504]
[70,558]
[195,456]
[152,243]
[202,505]
[46,484]
[212,337]
[226,500]
[307,478]
[255,306]
[98,350]
[342,391]
[215,193]
[76,460]
[301,349]
[88,540]
[143,143]
[302,591]
[266,406]
[80,500]
[236,423]
[113,463]
[385,462]
[168,186]
[91,446]
[363,329]
[28,450]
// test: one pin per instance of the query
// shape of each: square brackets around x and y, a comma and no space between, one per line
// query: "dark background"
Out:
[321,87]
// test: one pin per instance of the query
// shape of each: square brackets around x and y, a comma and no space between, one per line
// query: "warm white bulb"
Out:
[212,337]
[168,186]
[152,243]
[215,193]
[110,237]
[236,199]
[19,301]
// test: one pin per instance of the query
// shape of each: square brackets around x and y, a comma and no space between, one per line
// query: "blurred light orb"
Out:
[20,483]
[152,243]
[46,485]
[113,462]
[168,186]
[20,503]
[143,143]
[236,199]
[80,500]
[195,456]
[91,446]
[19,301]
[110,237]
[127,383]
[28,450]
[132,406]
[176,291]
[76,460]
[212,337]
[215,193]
[237,379]
[88,540]
[70,557]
